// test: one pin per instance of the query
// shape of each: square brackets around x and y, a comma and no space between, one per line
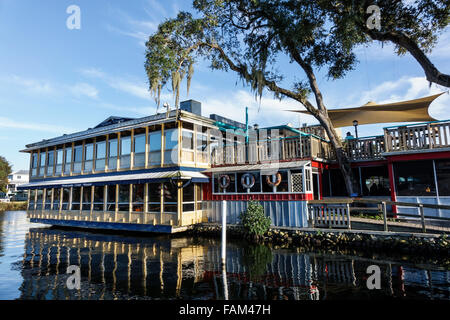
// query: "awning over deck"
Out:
[135,178]
[262,166]
[403,111]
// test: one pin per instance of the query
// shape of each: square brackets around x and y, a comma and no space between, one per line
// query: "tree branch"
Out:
[402,40]
[242,70]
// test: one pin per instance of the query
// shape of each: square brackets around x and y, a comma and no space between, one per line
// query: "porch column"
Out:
[392,184]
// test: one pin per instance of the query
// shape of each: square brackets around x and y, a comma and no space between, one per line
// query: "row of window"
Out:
[161,197]
[412,178]
[115,153]
[284,181]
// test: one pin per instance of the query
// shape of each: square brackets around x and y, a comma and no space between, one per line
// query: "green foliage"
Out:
[256,258]
[13,206]
[5,170]
[255,34]
[254,220]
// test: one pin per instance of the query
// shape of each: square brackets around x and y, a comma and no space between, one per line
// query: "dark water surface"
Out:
[34,260]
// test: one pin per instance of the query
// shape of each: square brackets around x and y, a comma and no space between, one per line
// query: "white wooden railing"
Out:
[329,215]
[418,136]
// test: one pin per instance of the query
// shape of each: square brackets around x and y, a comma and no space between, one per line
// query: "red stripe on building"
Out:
[420,156]
[263,197]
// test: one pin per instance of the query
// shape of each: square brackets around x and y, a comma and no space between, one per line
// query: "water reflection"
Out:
[33,264]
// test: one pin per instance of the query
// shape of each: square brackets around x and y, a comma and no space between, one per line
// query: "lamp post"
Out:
[355,124]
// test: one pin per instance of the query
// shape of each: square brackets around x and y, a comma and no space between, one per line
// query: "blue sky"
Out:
[54,80]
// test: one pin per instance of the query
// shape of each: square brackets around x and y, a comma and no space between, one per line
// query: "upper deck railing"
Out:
[288,148]
[366,148]
[418,136]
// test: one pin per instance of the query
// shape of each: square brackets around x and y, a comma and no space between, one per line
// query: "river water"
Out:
[34,260]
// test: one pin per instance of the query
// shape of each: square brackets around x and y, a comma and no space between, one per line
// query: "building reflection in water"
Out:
[125,267]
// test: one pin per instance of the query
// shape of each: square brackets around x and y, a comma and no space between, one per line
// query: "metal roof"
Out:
[116,127]
[136,178]
[262,166]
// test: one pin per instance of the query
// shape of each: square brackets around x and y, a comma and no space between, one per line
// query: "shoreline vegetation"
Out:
[411,248]
[13,206]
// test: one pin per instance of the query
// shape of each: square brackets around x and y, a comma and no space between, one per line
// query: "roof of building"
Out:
[21,172]
[112,120]
[115,124]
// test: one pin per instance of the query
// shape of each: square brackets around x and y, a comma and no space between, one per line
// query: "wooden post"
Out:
[348,216]
[224,231]
[422,217]
[385,216]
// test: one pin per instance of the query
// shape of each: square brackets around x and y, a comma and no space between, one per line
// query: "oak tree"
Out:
[249,37]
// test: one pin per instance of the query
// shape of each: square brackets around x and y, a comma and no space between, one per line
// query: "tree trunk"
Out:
[341,155]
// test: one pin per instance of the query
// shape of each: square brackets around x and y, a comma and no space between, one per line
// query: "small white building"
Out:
[16,179]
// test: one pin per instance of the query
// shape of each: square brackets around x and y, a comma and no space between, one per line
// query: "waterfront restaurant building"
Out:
[168,171]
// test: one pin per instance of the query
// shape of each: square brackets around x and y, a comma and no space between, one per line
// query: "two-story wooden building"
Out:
[167,171]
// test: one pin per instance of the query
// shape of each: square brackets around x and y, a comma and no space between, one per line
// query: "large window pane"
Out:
[34,164]
[202,148]
[375,181]
[65,200]
[67,160]
[231,188]
[42,163]
[171,146]
[139,150]
[76,197]
[188,140]
[154,197]
[138,197]
[39,198]
[248,179]
[59,161]
[443,176]
[87,198]
[170,193]
[111,200]
[88,157]
[124,197]
[32,202]
[77,159]
[188,198]
[112,152]
[48,199]
[56,198]
[414,178]
[125,152]
[50,161]
[100,155]
[154,155]
[99,196]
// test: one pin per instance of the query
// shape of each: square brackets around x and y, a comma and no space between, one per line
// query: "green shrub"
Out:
[254,220]
[13,206]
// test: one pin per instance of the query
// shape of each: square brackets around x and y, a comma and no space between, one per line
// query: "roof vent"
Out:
[192,106]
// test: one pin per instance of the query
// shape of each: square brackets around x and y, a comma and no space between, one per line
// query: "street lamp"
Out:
[355,124]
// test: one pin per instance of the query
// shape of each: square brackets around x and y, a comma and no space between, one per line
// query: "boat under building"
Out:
[168,171]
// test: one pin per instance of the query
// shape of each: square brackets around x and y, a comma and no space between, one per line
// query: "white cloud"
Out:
[134,87]
[14,124]
[407,88]
[134,28]
[268,112]
[84,89]
[43,87]
[30,85]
